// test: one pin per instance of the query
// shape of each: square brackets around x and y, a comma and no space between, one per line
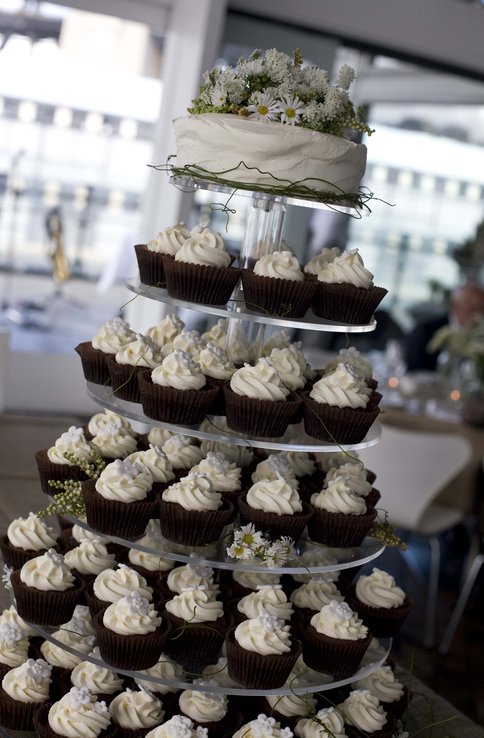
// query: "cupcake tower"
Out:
[206,590]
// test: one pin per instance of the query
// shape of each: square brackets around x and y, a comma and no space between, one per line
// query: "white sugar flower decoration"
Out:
[291,108]
[7,573]
[263,106]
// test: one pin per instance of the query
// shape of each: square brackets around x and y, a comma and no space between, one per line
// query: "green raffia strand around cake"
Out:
[272,86]
[70,501]
[278,187]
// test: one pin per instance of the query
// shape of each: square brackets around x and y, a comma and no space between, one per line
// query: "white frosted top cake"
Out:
[271,121]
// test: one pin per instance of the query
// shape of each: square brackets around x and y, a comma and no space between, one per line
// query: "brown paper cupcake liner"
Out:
[279,525]
[121,519]
[93,363]
[194,642]
[124,380]
[16,715]
[45,607]
[150,266]
[57,472]
[373,497]
[260,418]
[193,527]
[187,407]
[340,530]
[383,622]
[370,476]
[340,425]
[388,730]
[280,297]
[217,406]
[339,657]
[198,283]
[346,304]
[255,671]
[16,557]
[133,652]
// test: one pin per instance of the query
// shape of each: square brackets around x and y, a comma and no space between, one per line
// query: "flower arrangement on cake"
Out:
[272,124]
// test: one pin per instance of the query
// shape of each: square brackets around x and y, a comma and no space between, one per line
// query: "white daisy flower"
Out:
[218,96]
[291,109]
[262,106]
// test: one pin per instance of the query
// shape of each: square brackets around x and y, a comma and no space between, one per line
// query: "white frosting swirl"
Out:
[56,655]
[268,598]
[279,339]
[354,358]
[241,456]
[79,715]
[379,589]
[194,492]
[338,497]
[123,481]
[383,683]
[347,269]
[72,441]
[179,726]
[135,710]
[301,463]
[204,247]
[254,579]
[362,709]
[157,463]
[28,682]
[10,616]
[142,351]
[164,332]
[112,336]
[279,265]
[47,572]
[132,615]
[97,679]
[169,240]
[113,584]
[114,442]
[341,388]
[31,533]
[319,262]
[292,705]
[215,363]
[274,496]
[195,605]
[354,476]
[153,561]
[217,334]
[327,723]
[260,382]
[223,474]
[263,727]
[182,452]
[89,557]
[109,417]
[315,594]
[265,635]
[203,707]
[190,576]
[191,342]
[288,367]
[337,620]
[14,645]
[164,669]
[179,371]
[276,465]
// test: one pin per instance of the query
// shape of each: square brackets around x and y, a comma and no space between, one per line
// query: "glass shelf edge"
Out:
[311,323]
[103,395]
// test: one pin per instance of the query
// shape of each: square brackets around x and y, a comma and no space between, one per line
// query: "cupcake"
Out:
[197,626]
[391,693]
[218,673]
[23,689]
[163,673]
[113,584]
[89,559]
[380,603]
[158,464]
[114,442]
[335,640]
[275,506]
[326,723]
[303,465]
[224,475]
[263,727]
[26,538]
[136,710]
[78,641]
[209,710]
[276,465]
[191,342]
[72,537]
[190,576]
[155,437]
[178,725]
[218,369]
[192,512]
[150,563]
[165,332]
[364,716]
[257,403]
[150,255]
[360,364]
[53,463]
[345,292]
[14,646]
[341,517]
[276,286]
[183,452]
[130,633]
[46,591]
[287,363]
[10,616]
[217,334]
[245,582]
[355,476]
[320,261]
[261,652]
[289,709]
[337,409]
[176,391]
[128,362]
[268,598]
[311,596]
[100,681]
[120,502]
[98,421]
[77,708]
[200,270]
[109,339]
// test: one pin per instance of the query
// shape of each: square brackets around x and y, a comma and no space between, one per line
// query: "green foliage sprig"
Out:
[70,500]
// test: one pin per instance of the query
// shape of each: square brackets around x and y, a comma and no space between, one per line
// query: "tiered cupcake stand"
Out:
[247,328]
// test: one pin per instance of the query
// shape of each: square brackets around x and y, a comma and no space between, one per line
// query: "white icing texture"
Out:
[179,371]
[337,620]
[31,533]
[279,265]
[260,382]
[379,589]
[124,481]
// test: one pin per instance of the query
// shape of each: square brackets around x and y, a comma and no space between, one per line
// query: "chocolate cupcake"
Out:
[102,682]
[197,625]
[128,362]
[113,584]
[14,647]
[176,391]
[380,603]
[334,640]
[23,689]
[150,255]
[289,709]
[327,721]
[262,726]
[53,465]
[364,715]
[225,476]
[217,369]
[109,339]
[392,694]
[277,286]
[275,506]
[356,478]
[89,559]
[269,598]
[209,710]
[25,539]
[183,453]
[136,711]
[341,518]
[77,707]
